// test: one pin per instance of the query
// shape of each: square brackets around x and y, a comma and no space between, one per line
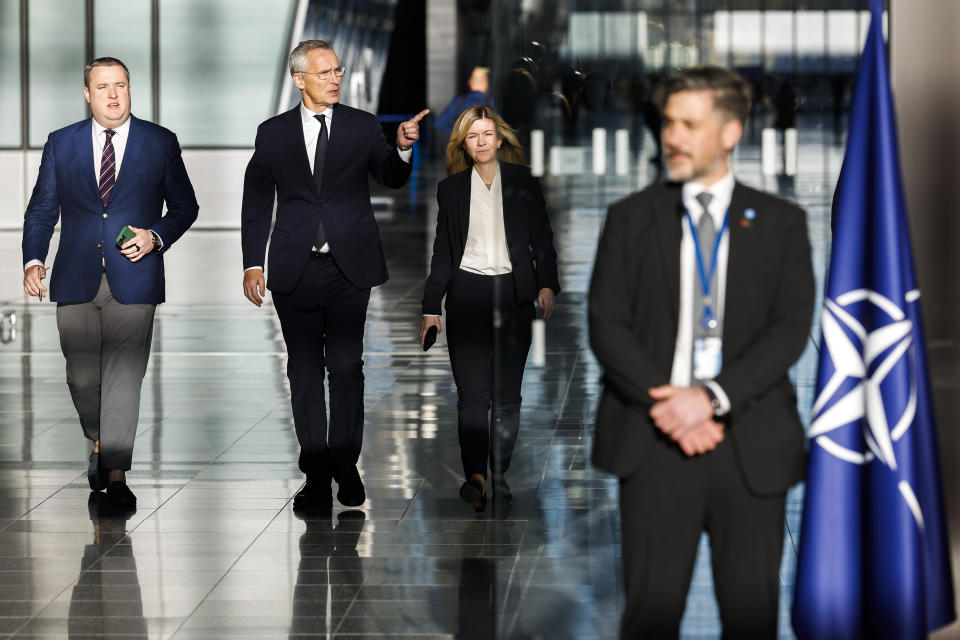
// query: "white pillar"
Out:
[536,152]
[768,152]
[622,151]
[599,152]
[790,152]
[539,340]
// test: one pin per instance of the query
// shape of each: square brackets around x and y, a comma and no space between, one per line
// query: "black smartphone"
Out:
[430,338]
[126,234]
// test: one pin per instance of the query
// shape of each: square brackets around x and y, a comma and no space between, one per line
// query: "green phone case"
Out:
[125,234]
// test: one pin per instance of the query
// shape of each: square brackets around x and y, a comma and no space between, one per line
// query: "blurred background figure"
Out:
[479,84]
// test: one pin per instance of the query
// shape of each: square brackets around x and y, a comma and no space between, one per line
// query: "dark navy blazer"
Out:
[525,222]
[279,166]
[151,173]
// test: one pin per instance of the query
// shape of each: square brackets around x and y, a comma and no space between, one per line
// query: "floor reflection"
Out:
[328,561]
[104,602]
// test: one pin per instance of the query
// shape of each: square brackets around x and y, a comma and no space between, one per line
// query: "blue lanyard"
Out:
[707,278]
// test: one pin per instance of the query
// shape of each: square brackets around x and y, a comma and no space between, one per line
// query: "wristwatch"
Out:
[156,241]
[714,400]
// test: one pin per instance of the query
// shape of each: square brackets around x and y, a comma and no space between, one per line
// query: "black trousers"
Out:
[322,322]
[488,336]
[664,507]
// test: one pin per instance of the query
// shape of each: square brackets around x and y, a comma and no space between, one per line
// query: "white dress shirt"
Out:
[311,131]
[722,191]
[485,250]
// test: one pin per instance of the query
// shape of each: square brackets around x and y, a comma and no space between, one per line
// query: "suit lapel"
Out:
[83,151]
[739,260]
[131,155]
[511,208]
[463,204]
[338,144]
[294,134]
[669,217]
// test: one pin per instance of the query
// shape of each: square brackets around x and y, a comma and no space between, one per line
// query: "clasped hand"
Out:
[686,415]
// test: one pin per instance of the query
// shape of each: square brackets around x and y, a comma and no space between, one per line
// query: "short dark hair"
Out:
[298,57]
[731,93]
[103,62]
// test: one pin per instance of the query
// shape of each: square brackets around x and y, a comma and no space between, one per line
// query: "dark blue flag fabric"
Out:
[874,555]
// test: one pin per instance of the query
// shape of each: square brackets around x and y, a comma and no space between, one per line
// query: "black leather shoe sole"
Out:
[311,497]
[121,496]
[350,491]
[473,494]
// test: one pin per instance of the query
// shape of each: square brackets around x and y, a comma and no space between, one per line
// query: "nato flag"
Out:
[874,559]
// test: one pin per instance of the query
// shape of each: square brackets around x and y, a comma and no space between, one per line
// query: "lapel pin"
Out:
[748,217]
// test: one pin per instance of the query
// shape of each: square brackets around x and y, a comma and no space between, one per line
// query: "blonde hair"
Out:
[457,158]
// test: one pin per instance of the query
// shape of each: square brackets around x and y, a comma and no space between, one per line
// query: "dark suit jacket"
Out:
[357,147]
[633,308]
[527,227]
[152,173]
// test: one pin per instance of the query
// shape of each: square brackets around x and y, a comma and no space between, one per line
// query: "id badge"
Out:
[707,357]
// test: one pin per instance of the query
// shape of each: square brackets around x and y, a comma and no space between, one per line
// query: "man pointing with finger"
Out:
[325,256]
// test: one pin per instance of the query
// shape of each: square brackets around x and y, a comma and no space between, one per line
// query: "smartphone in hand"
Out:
[126,234]
[430,338]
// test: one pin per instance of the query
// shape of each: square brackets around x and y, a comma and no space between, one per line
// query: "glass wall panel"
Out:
[11,95]
[745,30]
[682,31]
[842,40]
[122,30]
[811,41]
[221,65]
[57,33]
[778,46]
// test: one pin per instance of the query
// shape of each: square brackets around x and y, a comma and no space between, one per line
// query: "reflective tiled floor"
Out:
[214,549]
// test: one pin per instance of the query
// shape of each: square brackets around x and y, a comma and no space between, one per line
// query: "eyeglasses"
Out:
[325,75]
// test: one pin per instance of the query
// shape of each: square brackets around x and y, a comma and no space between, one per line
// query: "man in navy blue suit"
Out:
[98,176]
[325,256]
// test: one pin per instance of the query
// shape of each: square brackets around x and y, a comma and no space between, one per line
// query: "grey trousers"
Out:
[107,344]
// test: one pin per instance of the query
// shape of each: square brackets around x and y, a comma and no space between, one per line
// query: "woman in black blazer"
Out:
[492,257]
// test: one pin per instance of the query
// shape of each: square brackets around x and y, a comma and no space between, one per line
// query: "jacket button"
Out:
[99,246]
[105,216]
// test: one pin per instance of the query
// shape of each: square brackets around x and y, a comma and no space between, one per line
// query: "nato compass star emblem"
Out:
[853,398]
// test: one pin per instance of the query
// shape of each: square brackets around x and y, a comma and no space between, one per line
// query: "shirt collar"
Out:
[306,115]
[477,180]
[122,131]
[721,190]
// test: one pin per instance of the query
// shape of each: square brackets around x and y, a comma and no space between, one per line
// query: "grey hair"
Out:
[298,57]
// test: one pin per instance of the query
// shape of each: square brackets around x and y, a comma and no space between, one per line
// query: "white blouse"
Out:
[486,250]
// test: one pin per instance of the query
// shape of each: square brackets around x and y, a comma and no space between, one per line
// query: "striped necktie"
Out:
[108,162]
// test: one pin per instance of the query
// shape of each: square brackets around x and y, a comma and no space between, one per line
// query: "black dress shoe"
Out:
[350,490]
[96,476]
[315,494]
[501,490]
[120,495]
[473,493]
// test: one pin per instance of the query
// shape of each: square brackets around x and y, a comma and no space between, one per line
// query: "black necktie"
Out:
[318,159]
